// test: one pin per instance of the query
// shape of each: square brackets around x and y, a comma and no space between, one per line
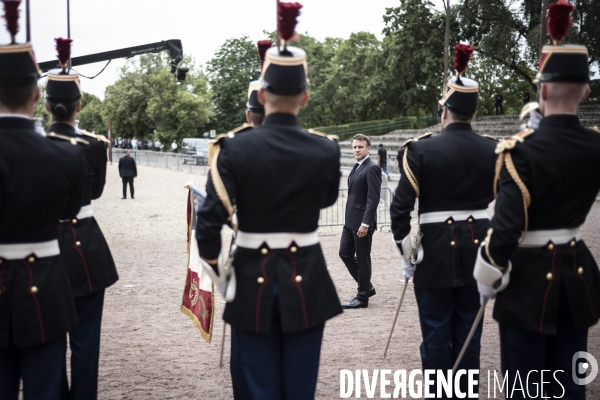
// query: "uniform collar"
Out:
[16,122]
[458,126]
[560,119]
[281,119]
[63,129]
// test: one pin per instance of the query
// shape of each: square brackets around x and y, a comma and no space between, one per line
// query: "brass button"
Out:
[260,280]
[573,243]
[0,291]
[34,289]
[449,222]
[476,241]
[74,221]
[549,276]
[470,220]
[0,262]
[453,243]
[293,249]
[78,244]
[264,252]
[580,270]
[550,246]
[298,278]
[31,259]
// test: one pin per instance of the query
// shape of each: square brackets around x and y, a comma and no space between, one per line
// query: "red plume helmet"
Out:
[263,46]
[63,48]
[11,14]
[462,56]
[559,20]
[287,21]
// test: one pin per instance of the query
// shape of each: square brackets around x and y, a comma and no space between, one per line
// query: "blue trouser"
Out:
[526,351]
[277,365]
[84,342]
[40,367]
[447,315]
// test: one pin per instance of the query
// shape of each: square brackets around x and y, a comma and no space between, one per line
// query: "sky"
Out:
[202,25]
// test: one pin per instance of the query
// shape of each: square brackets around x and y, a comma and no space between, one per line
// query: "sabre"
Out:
[223,344]
[470,336]
[396,317]
[232,250]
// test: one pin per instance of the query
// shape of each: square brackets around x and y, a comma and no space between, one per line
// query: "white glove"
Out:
[485,292]
[408,269]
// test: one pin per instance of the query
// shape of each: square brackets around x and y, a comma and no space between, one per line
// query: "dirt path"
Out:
[150,350]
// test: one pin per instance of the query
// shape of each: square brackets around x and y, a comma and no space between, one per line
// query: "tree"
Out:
[40,108]
[230,71]
[91,116]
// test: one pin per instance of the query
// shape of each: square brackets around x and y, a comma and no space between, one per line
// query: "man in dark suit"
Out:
[127,171]
[546,279]
[40,182]
[364,190]
[280,294]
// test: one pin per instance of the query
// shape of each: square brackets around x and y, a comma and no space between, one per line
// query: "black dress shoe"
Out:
[123,198]
[372,292]
[356,303]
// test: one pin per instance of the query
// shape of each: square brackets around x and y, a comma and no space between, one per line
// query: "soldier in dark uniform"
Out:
[84,250]
[277,179]
[547,281]
[450,175]
[40,183]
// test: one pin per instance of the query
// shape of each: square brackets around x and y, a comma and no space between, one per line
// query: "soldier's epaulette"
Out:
[102,138]
[73,140]
[595,128]
[512,141]
[333,138]
[424,136]
[240,128]
[491,137]
[98,137]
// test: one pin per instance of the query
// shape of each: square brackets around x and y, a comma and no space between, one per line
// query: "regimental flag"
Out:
[198,293]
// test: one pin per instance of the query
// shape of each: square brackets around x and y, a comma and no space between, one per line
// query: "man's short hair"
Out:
[257,118]
[463,117]
[16,96]
[362,137]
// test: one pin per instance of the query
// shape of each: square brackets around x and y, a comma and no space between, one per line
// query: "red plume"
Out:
[462,56]
[263,46]
[286,22]
[11,14]
[63,47]
[559,20]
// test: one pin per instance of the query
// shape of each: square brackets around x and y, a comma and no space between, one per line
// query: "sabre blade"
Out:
[395,318]
[223,344]
[470,336]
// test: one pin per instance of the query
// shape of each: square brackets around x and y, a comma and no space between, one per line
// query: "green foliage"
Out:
[40,108]
[233,67]
[91,116]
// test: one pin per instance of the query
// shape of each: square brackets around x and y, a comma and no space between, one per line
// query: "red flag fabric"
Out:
[198,293]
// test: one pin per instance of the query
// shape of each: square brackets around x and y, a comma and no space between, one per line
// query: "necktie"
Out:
[353,171]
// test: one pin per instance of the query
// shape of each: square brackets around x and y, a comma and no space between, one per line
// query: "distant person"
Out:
[526,98]
[134,144]
[439,114]
[174,146]
[382,154]
[364,191]
[127,171]
[499,101]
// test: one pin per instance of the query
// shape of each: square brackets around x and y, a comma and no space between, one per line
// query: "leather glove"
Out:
[485,292]
[408,269]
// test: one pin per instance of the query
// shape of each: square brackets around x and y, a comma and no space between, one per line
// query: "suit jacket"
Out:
[454,171]
[278,177]
[127,167]
[40,182]
[559,164]
[90,264]
[364,191]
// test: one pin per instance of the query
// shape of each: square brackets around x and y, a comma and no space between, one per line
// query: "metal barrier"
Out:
[161,159]
[335,215]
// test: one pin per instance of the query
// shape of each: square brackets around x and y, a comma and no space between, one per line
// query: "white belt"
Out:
[22,250]
[276,240]
[441,216]
[556,236]
[84,212]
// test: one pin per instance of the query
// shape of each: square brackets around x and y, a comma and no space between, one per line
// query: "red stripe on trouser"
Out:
[262,287]
[547,292]
[299,288]
[87,273]
[35,300]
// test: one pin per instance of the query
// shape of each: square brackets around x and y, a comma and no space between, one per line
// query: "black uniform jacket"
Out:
[127,167]
[40,182]
[454,171]
[559,163]
[364,191]
[279,177]
[85,252]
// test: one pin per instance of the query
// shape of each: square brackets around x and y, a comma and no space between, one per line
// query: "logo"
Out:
[582,367]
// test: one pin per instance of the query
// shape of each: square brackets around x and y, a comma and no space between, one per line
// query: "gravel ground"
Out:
[150,350]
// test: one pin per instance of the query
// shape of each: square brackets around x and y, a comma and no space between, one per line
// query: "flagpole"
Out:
[28,22]
[446,44]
